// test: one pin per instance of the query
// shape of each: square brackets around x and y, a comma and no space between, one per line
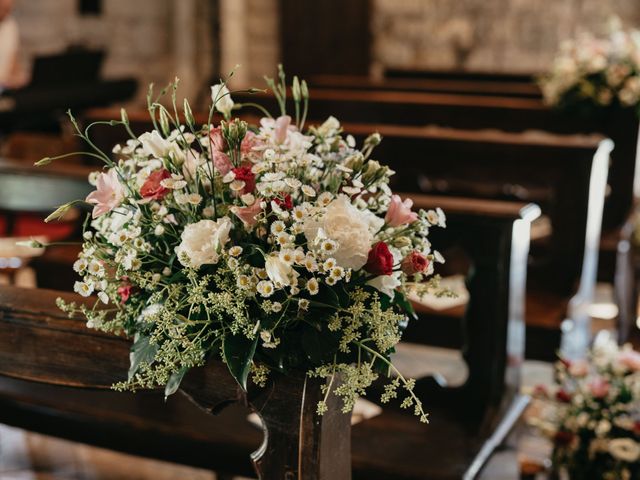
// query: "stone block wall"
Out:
[485,35]
[138,35]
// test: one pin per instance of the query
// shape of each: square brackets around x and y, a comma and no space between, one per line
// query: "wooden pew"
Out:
[461,85]
[39,344]
[514,115]
[470,112]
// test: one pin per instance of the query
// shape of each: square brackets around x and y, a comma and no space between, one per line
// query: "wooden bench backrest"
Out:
[473,112]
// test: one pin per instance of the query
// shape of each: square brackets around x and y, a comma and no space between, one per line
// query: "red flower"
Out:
[152,187]
[563,437]
[380,261]
[636,428]
[125,292]
[285,203]
[246,175]
[563,396]
[413,263]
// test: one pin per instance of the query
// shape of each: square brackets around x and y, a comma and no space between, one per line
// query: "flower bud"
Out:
[164,122]
[295,89]
[188,114]
[373,140]
[304,90]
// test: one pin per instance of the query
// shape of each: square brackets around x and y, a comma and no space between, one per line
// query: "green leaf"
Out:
[318,346]
[327,296]
[238,353]
[142,350]
[174,382]
[403,302]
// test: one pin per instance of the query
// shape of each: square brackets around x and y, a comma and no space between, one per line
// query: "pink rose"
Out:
[599,387]
[217,140]
[630,359]
[414,263]
[221,162]
[281,128]
[399,212]
[248,215]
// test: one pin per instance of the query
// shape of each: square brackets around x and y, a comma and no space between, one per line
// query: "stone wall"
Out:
[486,35]
[138,35]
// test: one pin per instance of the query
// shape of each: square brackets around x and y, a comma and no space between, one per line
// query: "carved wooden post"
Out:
[298,443]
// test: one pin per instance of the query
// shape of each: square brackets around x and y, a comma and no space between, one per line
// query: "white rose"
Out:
[202,242]
[624,449]
[222,99]
[155,145]
[348,226]
[386,283]
[279,271]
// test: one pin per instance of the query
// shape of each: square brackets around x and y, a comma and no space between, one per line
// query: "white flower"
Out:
[303,304]
[279,271]
[104,298]
[386,283]
[248,199]
[348,226]
[159,230]
[95,268]
[312,286]
[155,145]
[80,265]
[202,242]
[222,99]
[624,449]
[308,191]
[235,251]
[265,288]
[83,288]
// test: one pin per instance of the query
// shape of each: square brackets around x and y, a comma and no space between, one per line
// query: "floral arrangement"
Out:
[596,72]
[272,247]
[593,417]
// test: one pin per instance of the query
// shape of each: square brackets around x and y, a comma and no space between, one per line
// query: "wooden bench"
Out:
[39,344]
[461,85]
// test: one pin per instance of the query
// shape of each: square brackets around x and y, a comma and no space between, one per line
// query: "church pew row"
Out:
[553,171]
[501,87]
[513,114]
[39,344]
[469,112]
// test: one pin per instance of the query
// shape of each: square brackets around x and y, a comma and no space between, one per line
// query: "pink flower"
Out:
[281,127]
[217,140]
[125,292]
[399,212]
[630,359]
[599,387]
[248,215]
[414,263]
[221,162]
[249,142]
[579,368]
[108,195]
